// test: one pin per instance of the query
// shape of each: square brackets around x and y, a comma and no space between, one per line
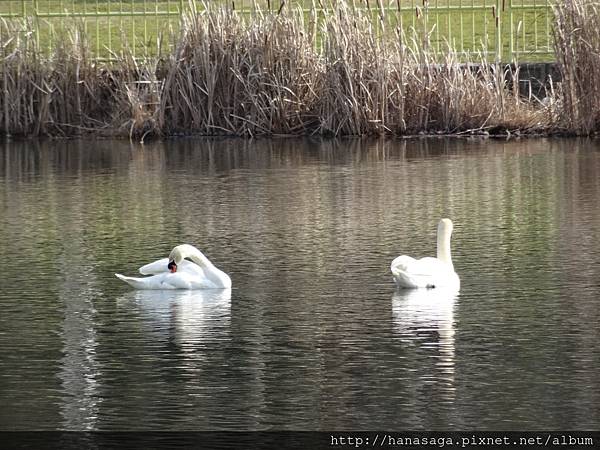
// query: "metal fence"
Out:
[506,29]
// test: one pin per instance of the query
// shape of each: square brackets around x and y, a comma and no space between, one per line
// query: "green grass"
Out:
[109,25]
[137,24]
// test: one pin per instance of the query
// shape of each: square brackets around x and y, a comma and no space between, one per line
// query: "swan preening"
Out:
[175,272]
[428,272]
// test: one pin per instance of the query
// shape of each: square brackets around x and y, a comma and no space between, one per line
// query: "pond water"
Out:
[313,334]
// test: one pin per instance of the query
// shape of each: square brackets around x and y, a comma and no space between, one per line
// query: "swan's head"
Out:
[172,266]
[177,255]
[182,251]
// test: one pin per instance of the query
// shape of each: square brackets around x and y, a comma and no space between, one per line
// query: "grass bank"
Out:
[264,75]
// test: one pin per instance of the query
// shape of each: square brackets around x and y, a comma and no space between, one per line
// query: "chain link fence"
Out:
[507,30]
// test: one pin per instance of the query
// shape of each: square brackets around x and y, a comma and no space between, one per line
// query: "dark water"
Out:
[313,334]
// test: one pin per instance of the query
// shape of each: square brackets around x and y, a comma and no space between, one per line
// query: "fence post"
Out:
[498,23]
[511,42]
[514,51]
[36,23]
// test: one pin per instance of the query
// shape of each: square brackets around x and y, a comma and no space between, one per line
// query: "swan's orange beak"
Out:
[172,267]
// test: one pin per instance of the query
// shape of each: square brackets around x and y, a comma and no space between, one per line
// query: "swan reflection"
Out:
[188,317]
[425,318]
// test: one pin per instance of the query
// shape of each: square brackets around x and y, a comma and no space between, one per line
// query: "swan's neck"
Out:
[219,278]
[443,246]
[198,257]
[201,260]
[183,251]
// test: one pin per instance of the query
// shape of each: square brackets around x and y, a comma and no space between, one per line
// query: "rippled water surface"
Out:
[313,334]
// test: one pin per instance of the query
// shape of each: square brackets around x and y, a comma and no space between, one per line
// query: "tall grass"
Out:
[68,93]
[577,48]
[398,86]
[243,77]
[263,75]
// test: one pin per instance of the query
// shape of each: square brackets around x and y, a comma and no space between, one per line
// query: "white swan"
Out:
[428,272]
[175,272]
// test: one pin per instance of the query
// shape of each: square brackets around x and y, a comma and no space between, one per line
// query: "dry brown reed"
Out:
[42,97]
[398,86]
[577,48]
[241,76]
[262,75]
[68,93]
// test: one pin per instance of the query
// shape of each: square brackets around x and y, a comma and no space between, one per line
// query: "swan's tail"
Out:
[135,282]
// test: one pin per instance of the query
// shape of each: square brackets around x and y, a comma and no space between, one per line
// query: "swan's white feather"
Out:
[155,267]
[159,281]
[423,273]
[168,280]
[161,266]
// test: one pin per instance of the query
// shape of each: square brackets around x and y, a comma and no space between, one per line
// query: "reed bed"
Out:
[397,85]
[68,93]
[577,48]
[265,75]
[234,76]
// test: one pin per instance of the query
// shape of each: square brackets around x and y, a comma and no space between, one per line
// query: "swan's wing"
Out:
[425,272]
[402,269]
[191,268]
[160,281]
[160,266]
[401,262]
[153,282]
[155,267]
[423,266]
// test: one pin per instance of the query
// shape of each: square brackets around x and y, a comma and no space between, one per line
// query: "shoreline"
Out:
[93,136]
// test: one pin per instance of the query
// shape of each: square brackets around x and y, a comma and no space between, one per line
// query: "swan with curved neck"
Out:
[176,272]
[428,272]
